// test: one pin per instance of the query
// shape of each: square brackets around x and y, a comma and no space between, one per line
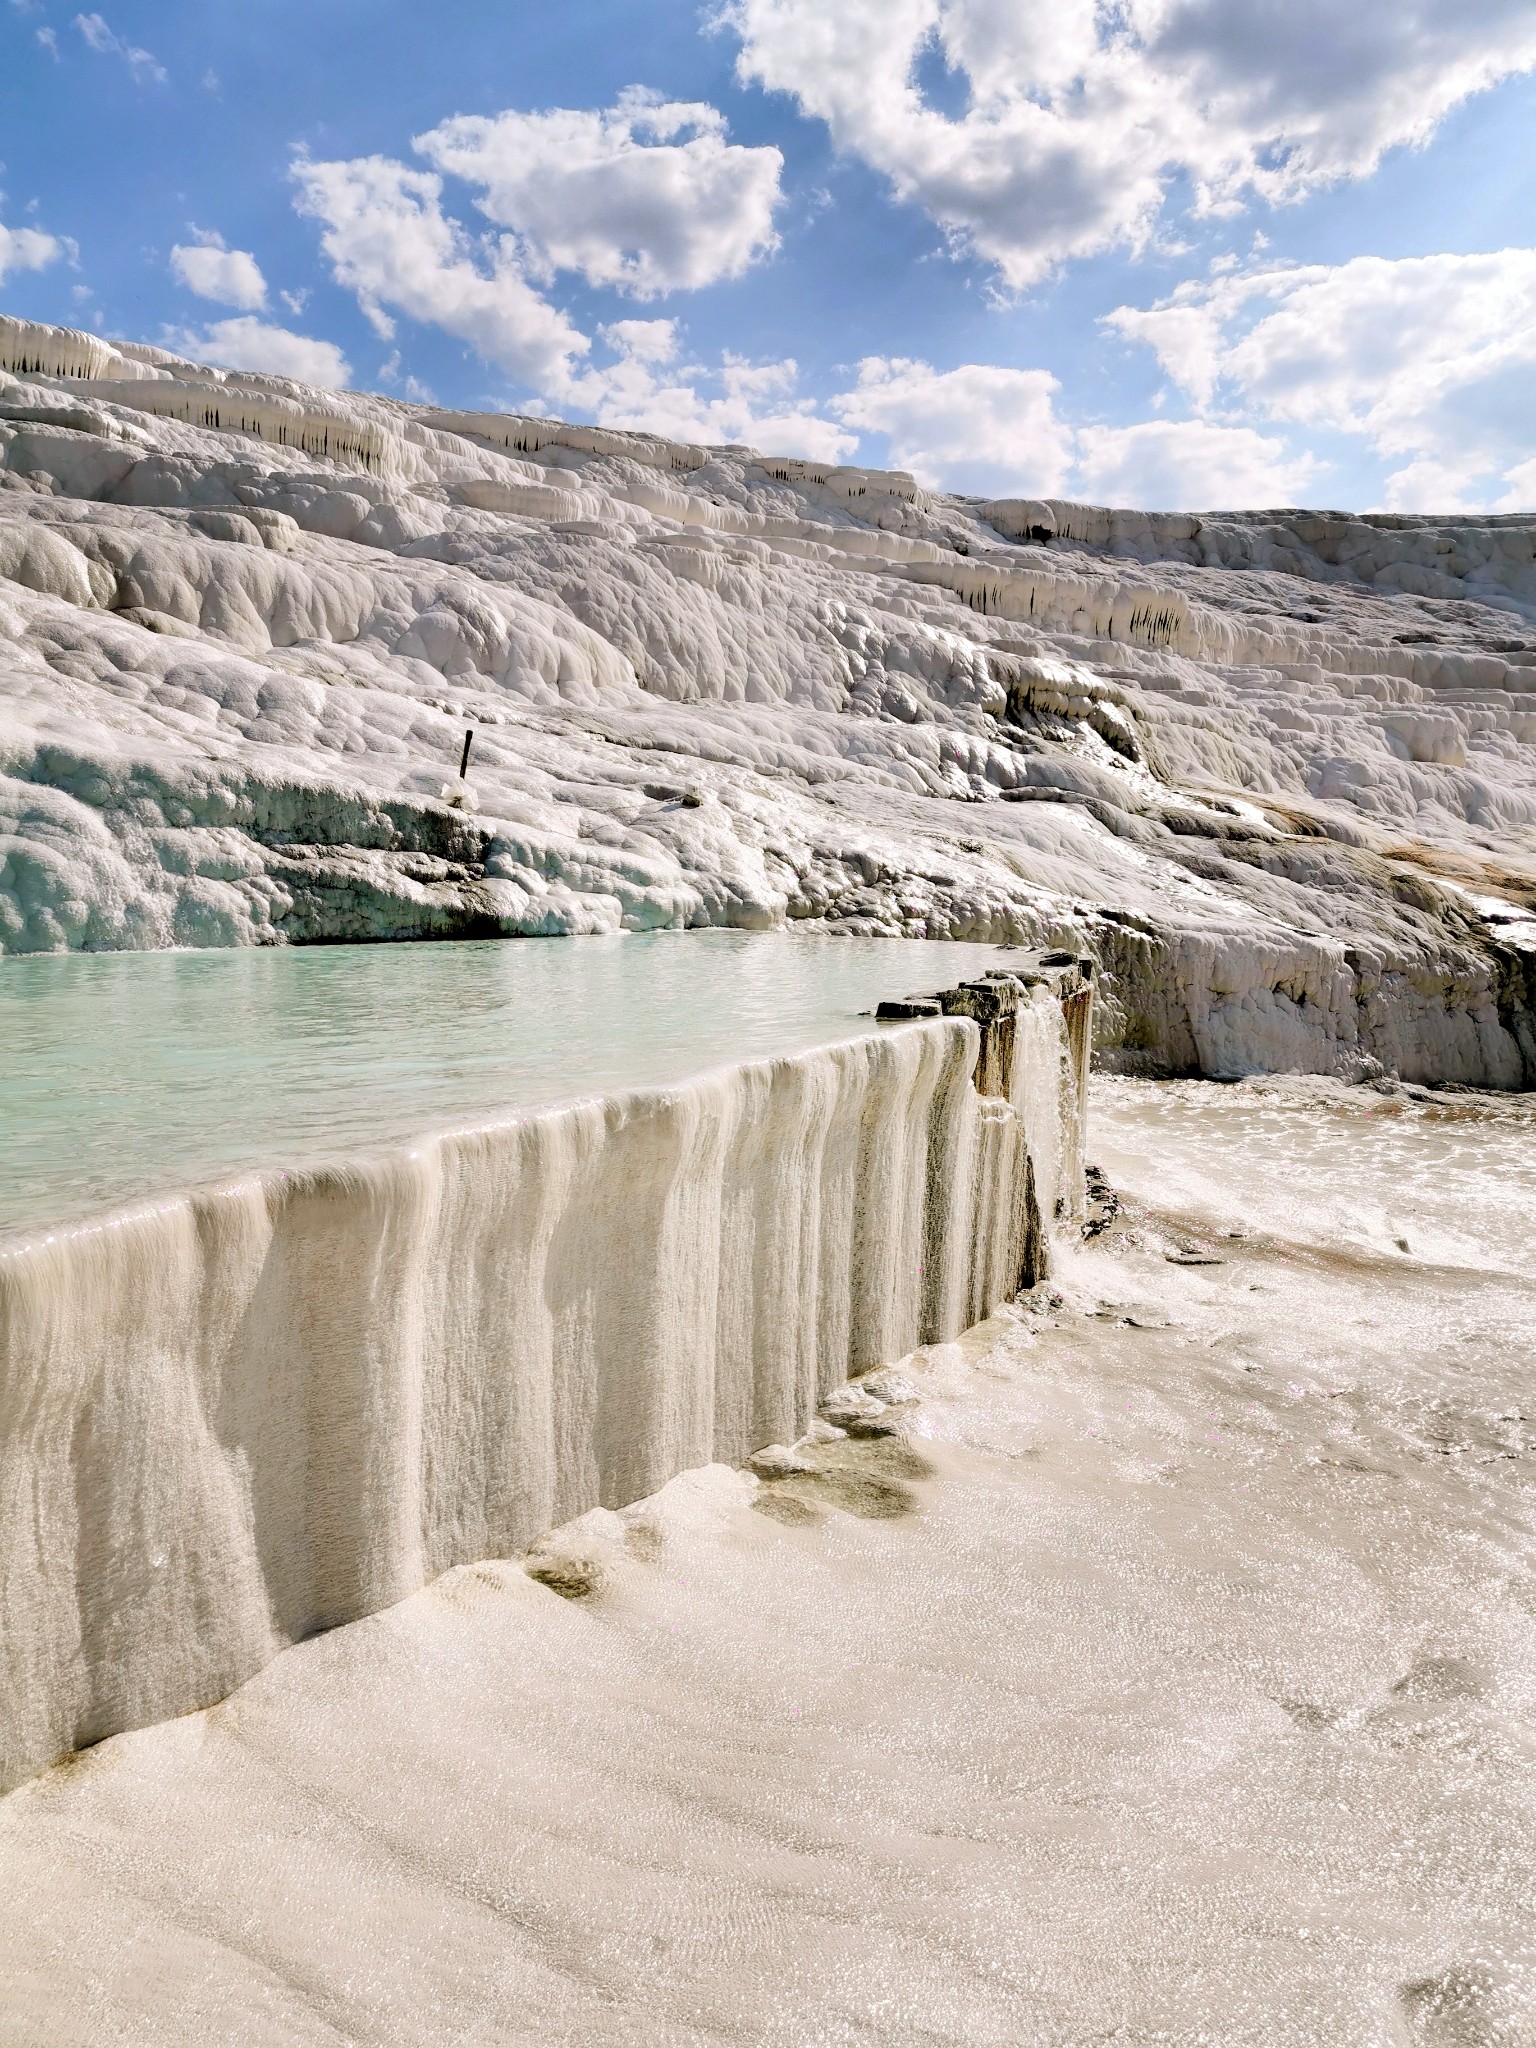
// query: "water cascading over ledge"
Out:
[253,1411]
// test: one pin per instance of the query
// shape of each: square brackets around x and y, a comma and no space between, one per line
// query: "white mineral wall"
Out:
[244,626]
[253,1411]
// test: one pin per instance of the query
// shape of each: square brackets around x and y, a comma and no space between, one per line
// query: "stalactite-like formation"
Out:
[233,1418]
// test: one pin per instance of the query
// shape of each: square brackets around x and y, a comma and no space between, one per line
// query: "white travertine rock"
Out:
[1271,769]
[235,1416]
[850,1404]
[1193,1702]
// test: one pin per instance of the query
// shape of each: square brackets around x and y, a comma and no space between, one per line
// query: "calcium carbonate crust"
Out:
[1276,772]
[237,1416]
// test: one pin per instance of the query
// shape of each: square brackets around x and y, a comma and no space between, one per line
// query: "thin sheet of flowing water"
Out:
[1194,1702]
[128,1074]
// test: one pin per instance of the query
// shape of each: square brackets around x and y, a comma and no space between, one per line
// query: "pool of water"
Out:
[125,1075]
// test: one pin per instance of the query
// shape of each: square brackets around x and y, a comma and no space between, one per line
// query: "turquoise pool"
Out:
[123,1075]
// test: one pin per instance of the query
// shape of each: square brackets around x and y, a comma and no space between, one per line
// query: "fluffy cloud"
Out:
[26,249]
[388,240]
[1432,359]
[974,428]
[652,389]
[108,43]
[250,344]
[648,197]
[1521,494]
[982,428]
[230,277]
[1189,465]
[1078,116]
[642,341]
[1428,486]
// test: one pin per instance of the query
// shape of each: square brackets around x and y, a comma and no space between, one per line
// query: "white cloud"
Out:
[48,39]
[388,240]
[1521,495]
[642,341]
[1431,359]
[650,389]
[104,40]
[648,196]
[230,277]
[978,427]
[27,249]
[1082,114]
[995,431]
[1190,465]
[1425,485]
[250,344]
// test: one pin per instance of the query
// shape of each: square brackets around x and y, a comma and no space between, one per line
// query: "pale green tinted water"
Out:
[127,1074]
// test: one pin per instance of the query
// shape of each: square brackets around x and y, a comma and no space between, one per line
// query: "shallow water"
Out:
[128,1074]
[1195,1702]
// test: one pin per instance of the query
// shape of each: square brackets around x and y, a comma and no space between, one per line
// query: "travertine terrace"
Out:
[1276,771]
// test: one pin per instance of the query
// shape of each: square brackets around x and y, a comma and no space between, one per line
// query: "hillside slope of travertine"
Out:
[1276,771]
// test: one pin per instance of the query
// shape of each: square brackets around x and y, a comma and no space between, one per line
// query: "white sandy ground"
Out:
[1194,1703]
[1277,771]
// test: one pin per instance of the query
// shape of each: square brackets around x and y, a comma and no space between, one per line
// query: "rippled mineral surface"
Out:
[1170,1679]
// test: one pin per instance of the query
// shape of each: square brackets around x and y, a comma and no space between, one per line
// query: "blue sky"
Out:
[1160,252]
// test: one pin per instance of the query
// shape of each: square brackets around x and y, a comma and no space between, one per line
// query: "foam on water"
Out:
[1196,1705]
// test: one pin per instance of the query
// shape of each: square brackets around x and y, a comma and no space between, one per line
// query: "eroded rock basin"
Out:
[1192,1699]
